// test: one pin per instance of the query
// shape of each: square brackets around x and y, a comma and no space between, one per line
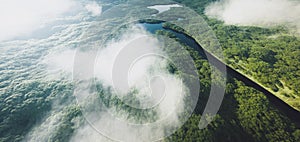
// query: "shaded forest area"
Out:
[270,56]
[245,115]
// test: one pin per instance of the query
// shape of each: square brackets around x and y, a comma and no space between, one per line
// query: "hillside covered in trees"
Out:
[42,109]
[270,56]
[245,114]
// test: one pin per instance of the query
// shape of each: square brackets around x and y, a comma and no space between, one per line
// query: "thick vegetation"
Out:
[24,105]
[270,59]
[268,55]
[245,115]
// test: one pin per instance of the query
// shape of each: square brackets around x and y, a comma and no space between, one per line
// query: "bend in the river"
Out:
[289,111]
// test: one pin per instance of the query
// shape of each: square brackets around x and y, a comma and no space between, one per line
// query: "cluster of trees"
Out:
[272,61]
[123,107]
[167,25]
[24,105]
[269,55]
[245,115]
[198,6]
[68,125]
[260,118]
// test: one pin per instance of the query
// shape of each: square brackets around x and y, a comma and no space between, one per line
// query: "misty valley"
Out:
[160,70]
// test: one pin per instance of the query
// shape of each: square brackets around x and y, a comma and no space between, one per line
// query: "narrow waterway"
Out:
[290,112]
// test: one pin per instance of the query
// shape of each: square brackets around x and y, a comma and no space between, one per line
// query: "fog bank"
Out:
[263,13]
[147,75]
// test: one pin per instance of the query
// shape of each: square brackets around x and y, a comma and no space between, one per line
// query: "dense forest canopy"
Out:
[269,56]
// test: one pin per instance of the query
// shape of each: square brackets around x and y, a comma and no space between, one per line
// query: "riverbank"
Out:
[289,111]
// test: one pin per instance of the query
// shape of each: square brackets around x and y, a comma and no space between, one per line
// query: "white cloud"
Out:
[94,8]
[168,109]
[21,18]
[257,12]
[46,129]
[60,64]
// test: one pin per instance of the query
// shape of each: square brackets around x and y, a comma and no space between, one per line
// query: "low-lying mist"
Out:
[263,13]
[159,94]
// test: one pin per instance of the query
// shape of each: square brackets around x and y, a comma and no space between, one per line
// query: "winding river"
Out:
[290,112]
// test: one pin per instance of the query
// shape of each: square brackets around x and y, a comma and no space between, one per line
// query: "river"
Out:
[290,112]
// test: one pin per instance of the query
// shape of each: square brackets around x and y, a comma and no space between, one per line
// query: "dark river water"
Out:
[290,112]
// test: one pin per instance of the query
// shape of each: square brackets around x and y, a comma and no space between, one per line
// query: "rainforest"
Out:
[64,66]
